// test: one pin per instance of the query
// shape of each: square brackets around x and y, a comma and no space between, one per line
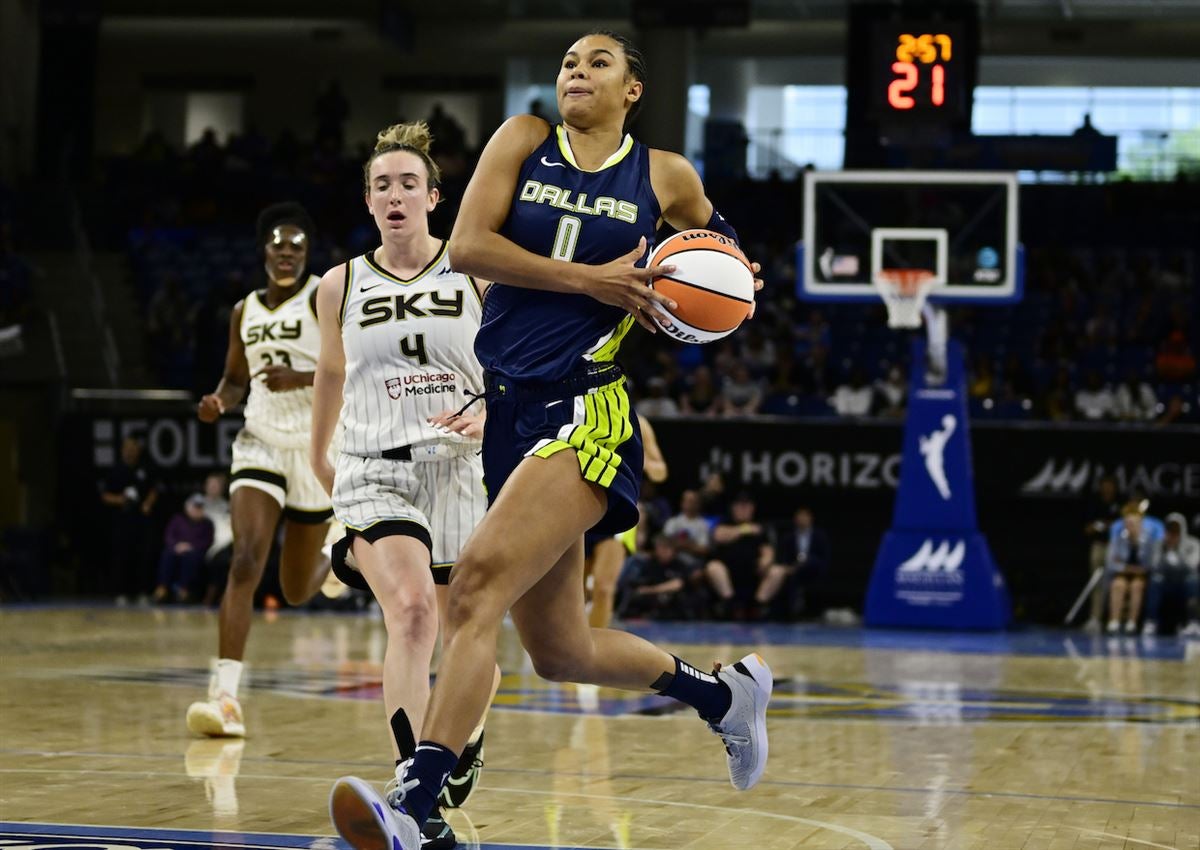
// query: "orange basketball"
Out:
[712,284]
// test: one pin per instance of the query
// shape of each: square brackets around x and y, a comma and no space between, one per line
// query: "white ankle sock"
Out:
[228,675]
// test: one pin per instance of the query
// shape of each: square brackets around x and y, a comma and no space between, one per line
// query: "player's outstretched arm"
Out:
[232,386]
[330,375]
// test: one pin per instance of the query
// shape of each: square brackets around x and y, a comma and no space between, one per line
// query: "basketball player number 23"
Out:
[565,238]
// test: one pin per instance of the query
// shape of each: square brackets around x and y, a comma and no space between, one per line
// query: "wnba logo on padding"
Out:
[945,559]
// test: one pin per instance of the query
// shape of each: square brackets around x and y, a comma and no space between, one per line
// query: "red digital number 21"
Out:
[896,91]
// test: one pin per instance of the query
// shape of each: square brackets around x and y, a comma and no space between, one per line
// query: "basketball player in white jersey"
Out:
[397,334]
[273,345]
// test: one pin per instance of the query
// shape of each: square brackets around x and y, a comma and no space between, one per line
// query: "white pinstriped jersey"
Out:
[285,336]
[410,353]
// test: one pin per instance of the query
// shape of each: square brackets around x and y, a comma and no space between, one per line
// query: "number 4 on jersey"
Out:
[414,346]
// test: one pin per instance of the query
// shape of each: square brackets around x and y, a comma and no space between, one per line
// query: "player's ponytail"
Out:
[413,137]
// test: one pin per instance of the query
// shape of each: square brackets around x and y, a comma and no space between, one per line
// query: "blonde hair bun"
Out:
[413,135]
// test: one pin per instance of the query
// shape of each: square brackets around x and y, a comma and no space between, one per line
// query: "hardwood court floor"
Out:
[879,740]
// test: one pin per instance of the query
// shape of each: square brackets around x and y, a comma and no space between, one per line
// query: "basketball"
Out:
[712,284]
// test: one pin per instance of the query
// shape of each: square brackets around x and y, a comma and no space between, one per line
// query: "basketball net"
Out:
[904,292]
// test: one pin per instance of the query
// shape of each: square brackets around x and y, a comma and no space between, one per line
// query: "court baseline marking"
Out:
[847,786]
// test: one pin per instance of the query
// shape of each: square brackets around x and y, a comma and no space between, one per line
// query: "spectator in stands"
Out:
[891,393]
[1103,510]
[206,155]
[1175,406]
[188,538]
[714,499]
[657,586]
[701,397]
[1178,569]
[741,393]
[802,557]
[758,352]
[1056,403]
[742,555]
[1086,129]
[1134,400]
[1175,362]
[855,397]
[787,375]
[813,334]
[656,402]
[1095,400]
[129,494]
[817,379]
[1101,328]
[689,530]
[1132,553]
[216,560]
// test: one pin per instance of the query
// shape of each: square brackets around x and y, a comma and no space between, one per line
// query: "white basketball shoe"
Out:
[367,821]
[744,726]
[216,717]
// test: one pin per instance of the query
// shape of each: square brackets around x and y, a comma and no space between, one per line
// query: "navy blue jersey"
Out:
[564,212]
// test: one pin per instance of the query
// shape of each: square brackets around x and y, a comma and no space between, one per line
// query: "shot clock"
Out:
[917,68]
[911,65]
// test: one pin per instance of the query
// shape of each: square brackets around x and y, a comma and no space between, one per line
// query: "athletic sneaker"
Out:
[1149,628]
[1191,630]
[436,834]
[744,726]
[219,717]
[462,781]
[366,820]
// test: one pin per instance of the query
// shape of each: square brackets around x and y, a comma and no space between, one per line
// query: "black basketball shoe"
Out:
[465,777]
[436,834]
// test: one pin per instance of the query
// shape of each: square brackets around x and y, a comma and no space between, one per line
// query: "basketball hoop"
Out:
[904,292]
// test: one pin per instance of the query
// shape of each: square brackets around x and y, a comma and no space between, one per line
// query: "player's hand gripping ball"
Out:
[713,286]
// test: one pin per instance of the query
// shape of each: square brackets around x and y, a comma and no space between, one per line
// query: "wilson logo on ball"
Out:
[712,285]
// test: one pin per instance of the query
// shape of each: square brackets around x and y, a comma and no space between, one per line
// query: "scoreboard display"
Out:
[917,69]
[912,64]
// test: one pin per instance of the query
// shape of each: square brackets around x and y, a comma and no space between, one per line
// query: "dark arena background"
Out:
[964,539]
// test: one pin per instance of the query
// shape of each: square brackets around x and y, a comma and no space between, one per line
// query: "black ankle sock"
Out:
[702,691]
[430,766]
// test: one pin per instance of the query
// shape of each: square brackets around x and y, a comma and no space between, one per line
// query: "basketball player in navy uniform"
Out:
[560,218]
[273,343]
[397,333]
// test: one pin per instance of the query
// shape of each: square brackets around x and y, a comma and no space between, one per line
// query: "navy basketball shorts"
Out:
[590,415]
